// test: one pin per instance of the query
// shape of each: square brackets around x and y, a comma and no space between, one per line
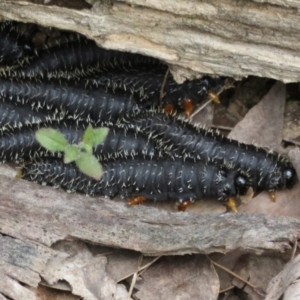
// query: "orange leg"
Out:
[19,175]
[188,107]
[183,205]
[169,109]
[214,97]
[231,204]
[136,200]
[273,195]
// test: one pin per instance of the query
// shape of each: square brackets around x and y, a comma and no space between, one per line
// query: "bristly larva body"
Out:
[99,107]
[148,85]
[81,58]
[15,116]
[267,170]
[21,144]
[154,180]
[12,48]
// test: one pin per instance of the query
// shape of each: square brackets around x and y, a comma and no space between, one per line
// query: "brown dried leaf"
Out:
[258,270]
[186,277]
[228,261]
[292,121]
[46,293]
[122,263]
[83,272]
[287,281]
[263,124]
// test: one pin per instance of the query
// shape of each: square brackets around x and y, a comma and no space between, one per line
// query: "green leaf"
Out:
[89,165]
[99,135]
[71,153]
[51,139]
[88,135]
[94,137]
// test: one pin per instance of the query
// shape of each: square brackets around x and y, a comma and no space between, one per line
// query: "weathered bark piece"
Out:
[227,37]
[21,261]
[44,215]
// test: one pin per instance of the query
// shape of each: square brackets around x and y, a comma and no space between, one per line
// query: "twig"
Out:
[145,267]
[135,275]
[233,274]
[221,127]
[292,142]
[161,92]
[226,86]
[227,289]
[294,249]
[200,108]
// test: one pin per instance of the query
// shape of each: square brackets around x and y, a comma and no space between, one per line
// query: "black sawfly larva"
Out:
[15,116]
[81,58]
[21,144]
[99,107]
[267,170]
[148,85]
[156,180]
[12,48]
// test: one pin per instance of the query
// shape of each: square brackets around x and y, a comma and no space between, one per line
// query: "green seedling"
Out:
[81,154]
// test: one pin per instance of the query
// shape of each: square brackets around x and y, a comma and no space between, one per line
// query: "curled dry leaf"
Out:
[287,282]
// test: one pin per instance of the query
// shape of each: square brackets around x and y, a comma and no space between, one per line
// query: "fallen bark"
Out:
[209,37]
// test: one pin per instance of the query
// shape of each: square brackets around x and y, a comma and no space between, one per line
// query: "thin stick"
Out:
[292,141]
[233,274]
[146,266]
[226,86]
[227,128]
[294,249]
[200,108]
[161,92]
[134,278]
[227,289]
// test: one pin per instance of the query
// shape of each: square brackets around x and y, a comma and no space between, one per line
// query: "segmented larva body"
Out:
[82,58]
[99,107]
[267,170]
[15,116]
[154,180]
[147,85]
[21,144]
[11,46]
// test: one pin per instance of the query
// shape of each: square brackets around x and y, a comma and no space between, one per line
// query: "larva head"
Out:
[229,182]
[283,176]
[290,177]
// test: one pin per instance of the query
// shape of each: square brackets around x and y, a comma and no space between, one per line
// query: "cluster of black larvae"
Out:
[147,154]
